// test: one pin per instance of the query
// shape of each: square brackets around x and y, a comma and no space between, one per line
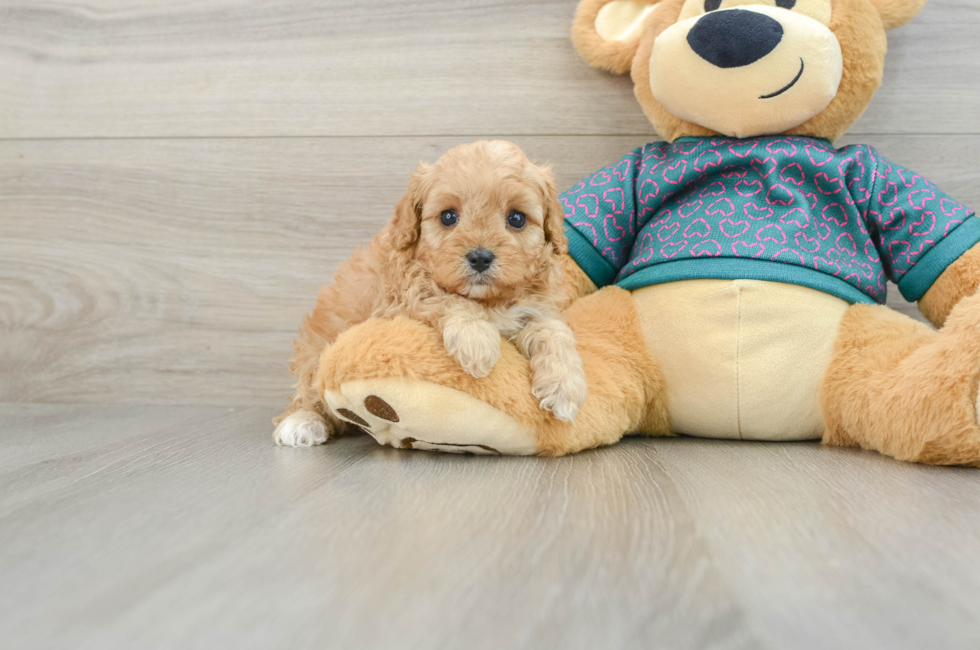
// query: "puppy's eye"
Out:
[711,5]
[786,4]
[516,220]
[448,218]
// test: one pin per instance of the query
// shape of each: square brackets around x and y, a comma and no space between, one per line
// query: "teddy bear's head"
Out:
[744,68]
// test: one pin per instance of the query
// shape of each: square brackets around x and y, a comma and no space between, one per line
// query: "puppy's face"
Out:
[488,221]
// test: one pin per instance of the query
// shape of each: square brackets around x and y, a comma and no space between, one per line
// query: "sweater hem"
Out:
[744,269]
[937,259]
[588,258]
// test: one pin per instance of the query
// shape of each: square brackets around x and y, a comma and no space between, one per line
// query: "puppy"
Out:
[476,250]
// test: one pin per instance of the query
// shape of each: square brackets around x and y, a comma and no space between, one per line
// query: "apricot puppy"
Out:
[476,249]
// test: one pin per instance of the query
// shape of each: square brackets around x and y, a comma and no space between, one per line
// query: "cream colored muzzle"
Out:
[788,85]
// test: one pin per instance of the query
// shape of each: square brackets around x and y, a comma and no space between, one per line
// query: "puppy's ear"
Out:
[606,33]
[554,213]
[406,225]
[895,13]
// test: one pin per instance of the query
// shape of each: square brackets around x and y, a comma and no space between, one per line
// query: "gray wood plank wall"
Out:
[177,179]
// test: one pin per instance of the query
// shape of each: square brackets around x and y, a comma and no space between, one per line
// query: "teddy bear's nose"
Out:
[734,37]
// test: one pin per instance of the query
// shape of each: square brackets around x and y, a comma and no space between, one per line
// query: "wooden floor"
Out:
[178,178]
[182,527]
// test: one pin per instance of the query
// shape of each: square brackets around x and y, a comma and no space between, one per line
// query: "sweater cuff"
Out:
[927,270]
[588,258]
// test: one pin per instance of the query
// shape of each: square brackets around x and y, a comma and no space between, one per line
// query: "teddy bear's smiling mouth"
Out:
[788,86]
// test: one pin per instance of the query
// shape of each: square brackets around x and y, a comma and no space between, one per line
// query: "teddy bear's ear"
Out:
[606,33]
[895,13]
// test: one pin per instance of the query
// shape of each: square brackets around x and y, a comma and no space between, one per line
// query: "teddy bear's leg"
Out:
[960,280]
[396,380]
[899,387]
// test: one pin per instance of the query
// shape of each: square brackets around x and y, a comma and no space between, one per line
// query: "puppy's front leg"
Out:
[470,337]
[558,378]
[305,428]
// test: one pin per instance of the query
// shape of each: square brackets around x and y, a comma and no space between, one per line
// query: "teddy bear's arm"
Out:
[926,238]
[602,221]
[958,281]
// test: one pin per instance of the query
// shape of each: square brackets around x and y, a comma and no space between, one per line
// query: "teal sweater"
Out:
[786,209]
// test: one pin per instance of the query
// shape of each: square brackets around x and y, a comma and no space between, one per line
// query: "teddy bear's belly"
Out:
[742,358]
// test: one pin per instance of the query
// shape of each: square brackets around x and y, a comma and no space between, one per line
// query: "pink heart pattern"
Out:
[786,200]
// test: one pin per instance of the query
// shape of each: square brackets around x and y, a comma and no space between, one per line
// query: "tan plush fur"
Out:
[958,281]
[416,267]
[895,13]
[614,56]
[898,387]
[625,386]
[856,24]
[892,385]
[863,44]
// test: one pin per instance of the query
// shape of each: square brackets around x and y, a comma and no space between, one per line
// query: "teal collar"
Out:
[692,138]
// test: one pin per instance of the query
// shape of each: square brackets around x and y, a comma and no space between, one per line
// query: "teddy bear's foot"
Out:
[395,379]
[301,429]
[897,386]
[414,414]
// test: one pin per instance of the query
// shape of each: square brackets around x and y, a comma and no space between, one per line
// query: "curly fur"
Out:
[626,387]
[416,267]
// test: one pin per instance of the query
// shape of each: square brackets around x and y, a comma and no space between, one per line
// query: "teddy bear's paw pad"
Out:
[301,429]
[344,410]
[413,414]
[380,408]
[353,418]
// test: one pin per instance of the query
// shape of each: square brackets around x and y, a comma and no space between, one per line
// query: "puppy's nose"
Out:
[734,37]
[480,259]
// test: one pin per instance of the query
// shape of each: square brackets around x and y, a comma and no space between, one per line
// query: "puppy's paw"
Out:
[474,342]
[557,374]
[562,394]
[301,429]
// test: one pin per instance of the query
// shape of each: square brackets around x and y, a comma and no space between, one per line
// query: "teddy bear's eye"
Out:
[786,4]
[711,5]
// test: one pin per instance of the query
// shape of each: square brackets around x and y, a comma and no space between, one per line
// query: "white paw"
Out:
[301,429]
[474,343]
[557,375]
[563,395]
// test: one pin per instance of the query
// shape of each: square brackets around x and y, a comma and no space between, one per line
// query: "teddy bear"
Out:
[729,280]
